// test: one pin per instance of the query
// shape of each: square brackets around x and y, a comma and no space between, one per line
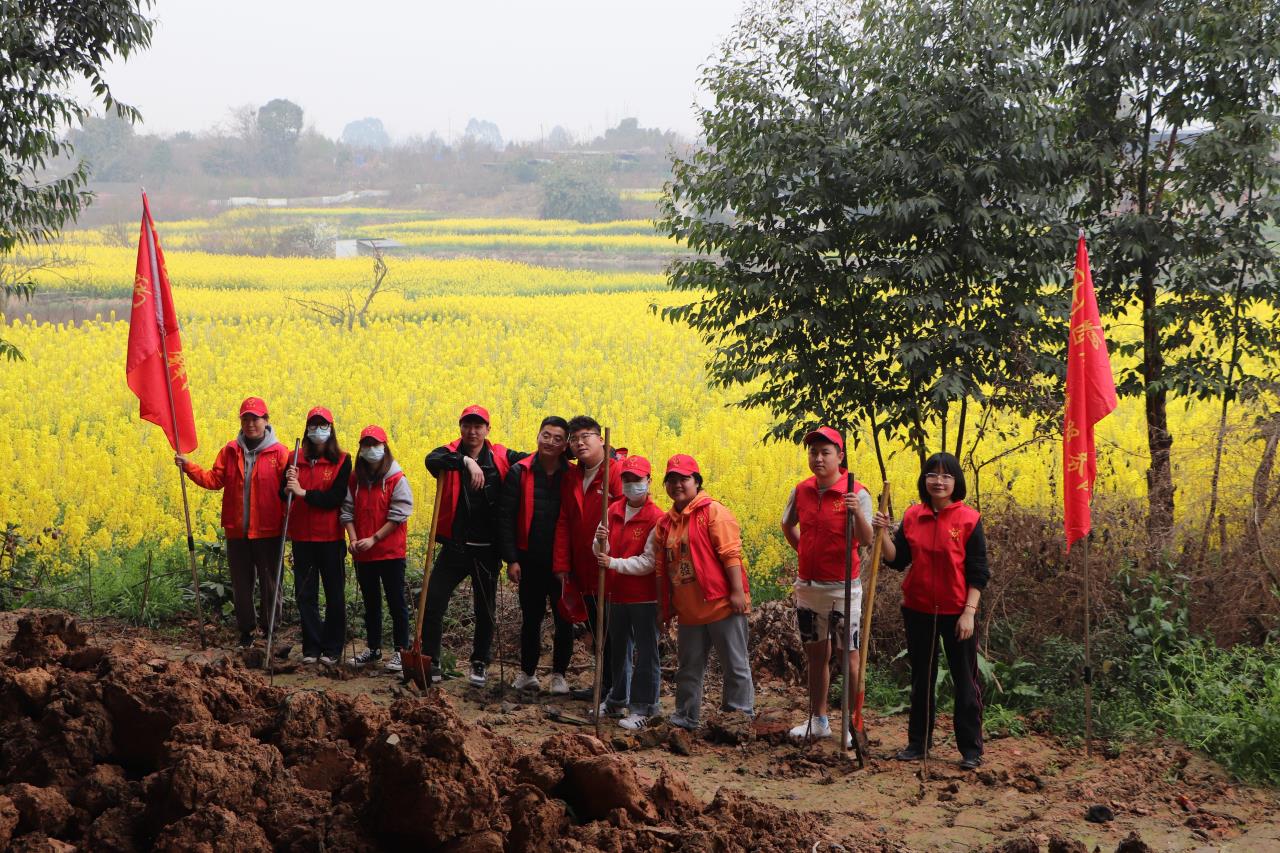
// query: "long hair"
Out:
[369,473]
[950,465]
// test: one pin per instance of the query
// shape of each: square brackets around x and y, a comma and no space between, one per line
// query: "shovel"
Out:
[275,604]
[864,645]
[417,666]
[600,586]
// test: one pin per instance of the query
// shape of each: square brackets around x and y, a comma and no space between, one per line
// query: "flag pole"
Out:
[1088,659]
[173,414]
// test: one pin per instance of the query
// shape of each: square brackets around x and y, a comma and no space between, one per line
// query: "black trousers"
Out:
[454,564]
[389,575]
[314,564]
[606,674]
[538,586]
[962,658]
[249,560]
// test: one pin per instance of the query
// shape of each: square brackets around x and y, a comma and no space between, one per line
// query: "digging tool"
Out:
[845,740]
[604,520]
[275,603]
[864,642]
[416,665]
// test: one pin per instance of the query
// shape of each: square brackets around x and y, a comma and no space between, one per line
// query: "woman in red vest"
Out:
[250,472]
[941,539]
[377,507]
[814,524]
[626,549]
[703,579]
[318,481]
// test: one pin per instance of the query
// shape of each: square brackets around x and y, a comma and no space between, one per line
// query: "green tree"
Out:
[577,190]
[279,124]
[366,133]
[47,49]
[874,218]
[1171,118]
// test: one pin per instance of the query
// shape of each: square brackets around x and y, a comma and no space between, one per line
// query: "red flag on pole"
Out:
[1091,396]
[155,365]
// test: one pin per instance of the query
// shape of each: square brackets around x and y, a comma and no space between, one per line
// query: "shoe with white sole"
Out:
[477,676]
[525,681]
[559,685]
[634,722]
[366,657]
[329,660]
[393,663]
[309,659]
[816,727]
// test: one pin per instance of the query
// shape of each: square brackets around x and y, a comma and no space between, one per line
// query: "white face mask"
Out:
[636,490]
[319,434]
[373,454]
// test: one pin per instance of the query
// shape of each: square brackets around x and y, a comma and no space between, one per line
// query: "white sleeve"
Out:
[641,564]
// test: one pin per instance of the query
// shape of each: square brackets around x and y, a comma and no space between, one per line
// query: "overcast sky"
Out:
[428,66]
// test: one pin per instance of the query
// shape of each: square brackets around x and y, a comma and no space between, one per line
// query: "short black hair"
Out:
[555,421]
[950,465]
[581,422]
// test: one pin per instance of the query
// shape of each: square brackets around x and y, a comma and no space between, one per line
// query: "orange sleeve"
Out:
[725,535]
[213,479]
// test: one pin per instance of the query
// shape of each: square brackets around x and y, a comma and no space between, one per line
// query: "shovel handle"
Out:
[426,568]
[865,640]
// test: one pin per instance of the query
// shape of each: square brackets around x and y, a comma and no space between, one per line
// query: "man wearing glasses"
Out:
[469,471]
[527,532]
[583,496]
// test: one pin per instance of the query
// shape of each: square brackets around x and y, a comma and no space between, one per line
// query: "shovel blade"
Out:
[417,668]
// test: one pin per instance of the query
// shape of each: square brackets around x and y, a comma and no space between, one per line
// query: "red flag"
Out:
[1091,396]
[154,342]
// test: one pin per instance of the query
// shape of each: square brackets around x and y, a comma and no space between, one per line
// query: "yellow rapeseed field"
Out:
[524,341]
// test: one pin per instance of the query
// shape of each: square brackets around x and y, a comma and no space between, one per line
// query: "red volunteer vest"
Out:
[451,483]
[627,539]
[576,527]
[308,523]
[266,510]
[702,554]
[524,514]
[935,582]
[822,520]
[369,512]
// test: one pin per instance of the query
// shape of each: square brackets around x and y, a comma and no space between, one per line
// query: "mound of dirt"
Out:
[120,749]
[776,651]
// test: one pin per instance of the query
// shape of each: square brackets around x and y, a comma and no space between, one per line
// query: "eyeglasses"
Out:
[942,478]
[581,438]
[552,438]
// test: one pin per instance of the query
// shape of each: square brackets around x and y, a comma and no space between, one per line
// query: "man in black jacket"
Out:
[469,471]
[530,507]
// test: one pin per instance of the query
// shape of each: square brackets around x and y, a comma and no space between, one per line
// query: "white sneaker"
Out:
[308,659]
[328,660]
[634,722]
[525,681]
[559,686]
[815,728]
[393,664]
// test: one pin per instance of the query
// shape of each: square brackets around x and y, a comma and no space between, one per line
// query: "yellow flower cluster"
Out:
[524,341]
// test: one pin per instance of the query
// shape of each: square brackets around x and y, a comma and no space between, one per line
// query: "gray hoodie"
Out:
[251,459]
[401,506]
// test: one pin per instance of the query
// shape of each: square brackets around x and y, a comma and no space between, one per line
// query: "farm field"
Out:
[524,340]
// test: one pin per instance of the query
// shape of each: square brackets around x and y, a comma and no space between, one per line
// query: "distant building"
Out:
[364,246]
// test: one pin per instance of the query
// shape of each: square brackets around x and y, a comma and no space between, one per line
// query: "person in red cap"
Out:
[375,515]
[530,508]
[702,579]
[318,480]
[582,498]
[469,471]
[626,549]
[814,525]
[250,471]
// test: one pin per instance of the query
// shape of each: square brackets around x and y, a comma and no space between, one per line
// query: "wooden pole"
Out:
[604,519]
[146,591]
[1088,658]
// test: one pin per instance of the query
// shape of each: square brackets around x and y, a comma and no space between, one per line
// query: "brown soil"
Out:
[125,744]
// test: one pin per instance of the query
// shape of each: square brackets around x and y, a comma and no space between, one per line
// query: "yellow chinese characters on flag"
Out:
[1090,396]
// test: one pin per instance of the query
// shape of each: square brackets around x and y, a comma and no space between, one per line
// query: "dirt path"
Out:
[1028,790]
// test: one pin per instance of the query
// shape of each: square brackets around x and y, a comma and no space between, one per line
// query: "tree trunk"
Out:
[1159,439]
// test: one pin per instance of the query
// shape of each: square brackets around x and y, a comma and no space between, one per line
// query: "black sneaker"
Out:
[367,656]
[585,693]
[971,762]
[910,752]
[246,639]
[477,673]
[437,674]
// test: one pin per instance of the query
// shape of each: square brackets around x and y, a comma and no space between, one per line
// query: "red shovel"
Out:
[417,666]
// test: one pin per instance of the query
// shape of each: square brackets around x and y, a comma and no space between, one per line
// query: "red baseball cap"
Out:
[475,412]
[826,434]
[374,431]
[253,406]
[320,412]
[683,464]
[637,465]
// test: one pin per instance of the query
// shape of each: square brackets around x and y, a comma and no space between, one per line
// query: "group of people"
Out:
[556,519]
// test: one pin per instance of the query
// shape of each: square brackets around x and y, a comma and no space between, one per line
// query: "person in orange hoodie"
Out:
[582,492]
[250,471]
[702,579]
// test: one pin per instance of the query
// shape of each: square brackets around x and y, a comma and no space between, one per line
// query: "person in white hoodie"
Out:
[375,515]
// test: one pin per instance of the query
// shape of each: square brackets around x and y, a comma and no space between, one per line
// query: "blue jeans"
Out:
[634,626]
